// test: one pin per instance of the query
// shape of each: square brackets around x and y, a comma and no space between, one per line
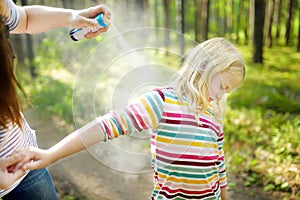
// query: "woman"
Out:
[15,132]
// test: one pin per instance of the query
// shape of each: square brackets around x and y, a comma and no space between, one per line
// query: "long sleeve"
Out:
[143,114]
[221,162]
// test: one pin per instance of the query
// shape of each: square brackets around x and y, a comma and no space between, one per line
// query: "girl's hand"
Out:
[85,18]
[8,174]
[34,158]
[224,193]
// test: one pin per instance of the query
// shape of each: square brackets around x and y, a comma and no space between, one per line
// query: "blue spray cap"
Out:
[102,20]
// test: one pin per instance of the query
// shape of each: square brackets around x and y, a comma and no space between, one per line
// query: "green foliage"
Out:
[53,97]
[56,61]
[275,83]
[262,126]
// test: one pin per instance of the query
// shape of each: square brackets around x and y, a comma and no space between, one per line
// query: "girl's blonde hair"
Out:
[208,58]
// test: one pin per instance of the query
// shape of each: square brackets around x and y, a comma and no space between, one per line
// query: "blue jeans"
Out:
[37,185]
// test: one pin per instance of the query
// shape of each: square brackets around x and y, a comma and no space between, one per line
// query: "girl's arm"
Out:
[80,139]
[37,18]
[136,117]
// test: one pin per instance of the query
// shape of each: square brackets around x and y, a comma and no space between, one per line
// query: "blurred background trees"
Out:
[258,22]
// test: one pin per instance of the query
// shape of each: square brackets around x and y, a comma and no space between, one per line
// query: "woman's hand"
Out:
[8,173]
[85,18]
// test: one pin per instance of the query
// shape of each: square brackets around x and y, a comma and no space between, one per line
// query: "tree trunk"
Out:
[201,19]
[217,18]
[204,19]
[156,16]
[288,21]
[29,44]
[146,17]
[142,8]
[238,20]
[29,47]
[198,21]
[225,19]
[277,17]
[67,4]
[268,23]
[259,17]
[246,26]
[17,41]
[181,27]
[229,11]
[251,19]
[167,23]
[298,45]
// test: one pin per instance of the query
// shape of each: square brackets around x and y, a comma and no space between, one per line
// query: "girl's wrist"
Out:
[53,156]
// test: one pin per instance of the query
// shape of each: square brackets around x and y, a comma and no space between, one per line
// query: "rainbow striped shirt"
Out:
[187,157]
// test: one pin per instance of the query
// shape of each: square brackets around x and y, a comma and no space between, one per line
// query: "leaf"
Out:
[269,187]
[284,185]
[247,183]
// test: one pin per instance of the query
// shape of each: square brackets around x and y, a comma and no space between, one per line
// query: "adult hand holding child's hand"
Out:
[8,172]
[34,158]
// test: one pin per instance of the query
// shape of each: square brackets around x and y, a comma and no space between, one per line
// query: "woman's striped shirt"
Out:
[13,16]
[14,138]
[187,156]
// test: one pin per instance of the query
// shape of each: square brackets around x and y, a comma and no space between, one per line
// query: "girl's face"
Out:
[221,83]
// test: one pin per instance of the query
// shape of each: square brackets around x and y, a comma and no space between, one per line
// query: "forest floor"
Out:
[83,177]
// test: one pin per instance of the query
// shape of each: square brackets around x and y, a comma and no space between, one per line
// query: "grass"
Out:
[263,122]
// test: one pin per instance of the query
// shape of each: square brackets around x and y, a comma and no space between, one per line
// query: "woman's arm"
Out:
[37,18]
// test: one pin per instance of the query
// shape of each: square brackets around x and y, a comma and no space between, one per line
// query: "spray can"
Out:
[77,34]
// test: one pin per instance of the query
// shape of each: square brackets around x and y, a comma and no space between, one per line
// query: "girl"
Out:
[15,133]
[186,123]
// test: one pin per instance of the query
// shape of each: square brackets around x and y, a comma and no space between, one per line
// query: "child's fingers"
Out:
[28,157]
[32,165]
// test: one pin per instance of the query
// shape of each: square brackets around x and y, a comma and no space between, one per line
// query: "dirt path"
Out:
[84,177]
